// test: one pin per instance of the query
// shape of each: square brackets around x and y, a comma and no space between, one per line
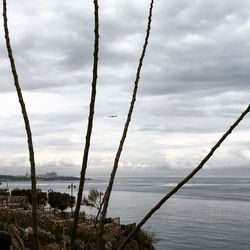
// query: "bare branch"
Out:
[89,128]
[185,180]
[124,134]
[27,127]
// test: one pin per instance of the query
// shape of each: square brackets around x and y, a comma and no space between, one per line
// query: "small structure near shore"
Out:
[7,200]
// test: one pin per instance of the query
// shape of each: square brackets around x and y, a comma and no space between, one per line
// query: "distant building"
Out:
[51,175]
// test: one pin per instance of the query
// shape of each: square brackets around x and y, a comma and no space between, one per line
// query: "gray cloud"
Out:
[194,81]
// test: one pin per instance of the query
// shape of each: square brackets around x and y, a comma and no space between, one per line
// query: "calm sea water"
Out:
[208,213]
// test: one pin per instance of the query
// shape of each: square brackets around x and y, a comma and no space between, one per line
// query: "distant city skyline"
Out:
[194,84]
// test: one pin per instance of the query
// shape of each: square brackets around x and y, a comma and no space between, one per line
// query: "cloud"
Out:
[194,82]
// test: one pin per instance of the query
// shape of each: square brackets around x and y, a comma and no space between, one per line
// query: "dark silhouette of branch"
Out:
[89,128]
[27,127]
[185,180]
[124,134]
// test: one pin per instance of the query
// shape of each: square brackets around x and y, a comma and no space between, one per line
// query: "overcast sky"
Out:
[194,84]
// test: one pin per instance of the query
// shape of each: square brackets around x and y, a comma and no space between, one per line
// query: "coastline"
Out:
[4,178]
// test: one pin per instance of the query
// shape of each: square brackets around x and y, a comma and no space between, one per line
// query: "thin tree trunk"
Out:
[98,213]
[190,176]
[27,127]
[89,128]
[124,134]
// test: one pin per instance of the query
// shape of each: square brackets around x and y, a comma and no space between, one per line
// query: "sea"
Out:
[207,213]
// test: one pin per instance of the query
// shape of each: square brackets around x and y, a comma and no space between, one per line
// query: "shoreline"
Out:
[4,178]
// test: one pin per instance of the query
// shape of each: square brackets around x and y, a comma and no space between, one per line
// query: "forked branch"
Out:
[185,180]
[27,127]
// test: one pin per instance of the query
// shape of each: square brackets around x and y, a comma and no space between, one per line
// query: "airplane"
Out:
[112,116]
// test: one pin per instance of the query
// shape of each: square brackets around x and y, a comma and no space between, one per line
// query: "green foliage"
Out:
[52,199]
[127,229]
[60,200]
[72,201]
[94,199]
[22,192]
[42,198]
[144,239]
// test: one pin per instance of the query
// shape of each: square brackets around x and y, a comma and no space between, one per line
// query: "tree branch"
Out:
[27,128]
[124,134]
[89,128]
[185,180]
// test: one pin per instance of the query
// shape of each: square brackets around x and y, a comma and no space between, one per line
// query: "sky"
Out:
[194,84]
